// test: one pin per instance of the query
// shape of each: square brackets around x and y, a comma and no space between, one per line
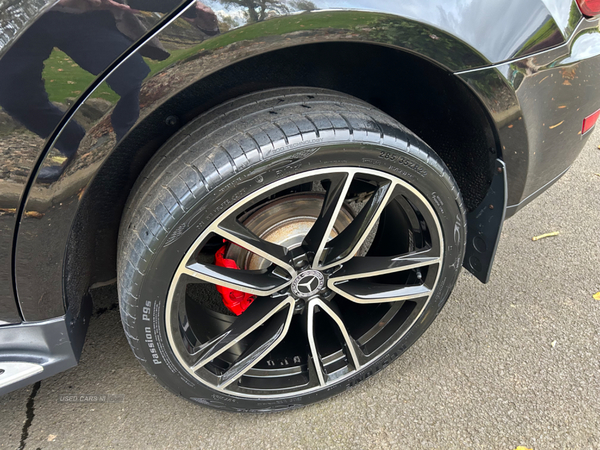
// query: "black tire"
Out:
[224,157]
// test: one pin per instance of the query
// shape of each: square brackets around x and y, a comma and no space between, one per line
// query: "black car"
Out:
[283,191]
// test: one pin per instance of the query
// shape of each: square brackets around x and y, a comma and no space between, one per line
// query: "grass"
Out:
[66,79]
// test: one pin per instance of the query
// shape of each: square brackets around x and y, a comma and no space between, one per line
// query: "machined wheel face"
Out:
[283,248]
[342,262]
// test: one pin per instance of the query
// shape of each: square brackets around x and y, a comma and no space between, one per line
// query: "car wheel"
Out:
[284,247]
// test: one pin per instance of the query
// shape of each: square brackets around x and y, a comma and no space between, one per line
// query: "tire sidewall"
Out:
[393,158]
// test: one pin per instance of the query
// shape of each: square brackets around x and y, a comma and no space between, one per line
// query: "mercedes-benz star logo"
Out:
[308,283]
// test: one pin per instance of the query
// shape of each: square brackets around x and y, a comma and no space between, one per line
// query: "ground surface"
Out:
[515,362]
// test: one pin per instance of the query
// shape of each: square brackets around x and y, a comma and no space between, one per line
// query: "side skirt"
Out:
[32,351]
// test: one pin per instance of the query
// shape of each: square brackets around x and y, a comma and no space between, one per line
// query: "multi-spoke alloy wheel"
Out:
[282,255]
[327,304]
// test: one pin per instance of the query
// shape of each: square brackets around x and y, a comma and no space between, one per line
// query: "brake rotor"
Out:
[285,221]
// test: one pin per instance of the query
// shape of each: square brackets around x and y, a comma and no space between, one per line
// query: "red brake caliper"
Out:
[237,302]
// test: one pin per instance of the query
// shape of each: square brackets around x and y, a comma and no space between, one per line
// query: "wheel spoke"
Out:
[312,344]
[319,233]
[236,233]
[249,281]
[369,266]
[259,313]
[349,344]
[345,245]
[360,291]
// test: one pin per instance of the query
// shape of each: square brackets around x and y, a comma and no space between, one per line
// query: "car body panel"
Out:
[502,54]
[542,100]
[20,155]
[565,14]
[17,16]
[499,30]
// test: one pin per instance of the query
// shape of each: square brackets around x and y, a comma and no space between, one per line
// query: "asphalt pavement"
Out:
[512,363]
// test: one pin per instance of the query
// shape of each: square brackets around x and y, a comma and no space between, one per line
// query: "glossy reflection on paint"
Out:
[456,35]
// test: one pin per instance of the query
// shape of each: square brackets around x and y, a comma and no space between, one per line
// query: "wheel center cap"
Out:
[308,283]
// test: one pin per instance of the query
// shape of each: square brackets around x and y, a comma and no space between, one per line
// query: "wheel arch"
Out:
[426,98]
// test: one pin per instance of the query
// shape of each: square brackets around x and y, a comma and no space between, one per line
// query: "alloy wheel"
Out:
[338,274]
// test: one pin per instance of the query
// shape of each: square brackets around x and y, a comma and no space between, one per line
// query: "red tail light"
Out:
[589,8]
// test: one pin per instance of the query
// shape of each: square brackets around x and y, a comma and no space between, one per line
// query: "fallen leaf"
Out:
[554,126]
[542,236]
[562,107]
[51,437]
[34,214]
[60,70]
[597,296]
[58,159]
